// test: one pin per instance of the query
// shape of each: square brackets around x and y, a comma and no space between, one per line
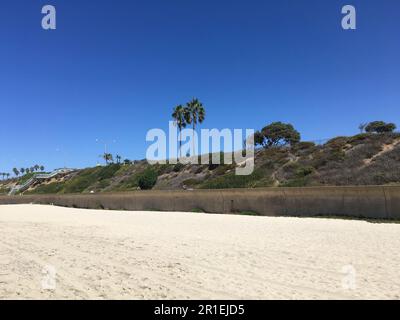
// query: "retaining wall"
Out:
[378,202]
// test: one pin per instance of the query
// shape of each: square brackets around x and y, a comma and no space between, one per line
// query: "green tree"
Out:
[276,134]
[259,138]
[179,119]
[194,114]
[22,170]
[42,168]
[380,127]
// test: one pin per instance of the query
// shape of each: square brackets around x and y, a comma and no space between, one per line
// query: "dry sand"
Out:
[156,255]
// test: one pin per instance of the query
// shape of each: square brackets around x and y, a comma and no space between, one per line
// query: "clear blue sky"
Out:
[115,69]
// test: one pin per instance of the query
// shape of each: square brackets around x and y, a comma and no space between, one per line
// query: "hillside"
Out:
[365,159]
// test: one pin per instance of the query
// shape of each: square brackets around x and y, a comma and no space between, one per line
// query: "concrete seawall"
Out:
[377,202]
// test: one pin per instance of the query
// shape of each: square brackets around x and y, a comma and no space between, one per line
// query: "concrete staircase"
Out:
[36,177]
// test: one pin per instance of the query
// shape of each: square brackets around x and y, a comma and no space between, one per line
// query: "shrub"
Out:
[191,182]
[178,167]
[303,145]
[337,142]
[212,166]
[89,177]
[4,190]
[199,170]
[358,138]
[304,171]
[148,179]
[234,181]
[108,172]
[50,188]
[163,168]
[297,182]
[222,169]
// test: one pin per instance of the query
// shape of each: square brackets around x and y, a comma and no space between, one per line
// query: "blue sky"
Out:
[115,69]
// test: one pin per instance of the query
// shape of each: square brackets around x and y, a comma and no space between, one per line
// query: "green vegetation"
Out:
[179,116]
[4,175]
[28,176]
[148,179]
[277,134]
[301,177]
[380,127]
[4,190]
[96,178]
[108,158]
[248,213]
[29,171]
[128,184]
[50,188]
[368,158]
[89,177]
[178,167]
[230,180]
[369,220]
[193,113]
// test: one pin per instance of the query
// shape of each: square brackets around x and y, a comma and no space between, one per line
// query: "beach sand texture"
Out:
[50,252]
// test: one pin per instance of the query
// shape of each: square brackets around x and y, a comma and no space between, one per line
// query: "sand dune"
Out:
[156,255]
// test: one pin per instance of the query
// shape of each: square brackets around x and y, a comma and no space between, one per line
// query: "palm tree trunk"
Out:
[180,143]
[194,152]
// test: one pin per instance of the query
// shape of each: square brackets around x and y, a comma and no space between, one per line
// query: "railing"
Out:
[40,176]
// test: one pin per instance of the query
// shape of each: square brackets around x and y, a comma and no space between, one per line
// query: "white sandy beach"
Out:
[156,255]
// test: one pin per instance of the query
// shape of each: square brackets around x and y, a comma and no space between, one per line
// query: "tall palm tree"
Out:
[42,168]
[22,170]
[108,157]
[179,116]
[16,172]
[118,158]
[194,114]
[36,167]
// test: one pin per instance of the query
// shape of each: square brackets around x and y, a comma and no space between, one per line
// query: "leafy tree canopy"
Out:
[276,134]
[380,127]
